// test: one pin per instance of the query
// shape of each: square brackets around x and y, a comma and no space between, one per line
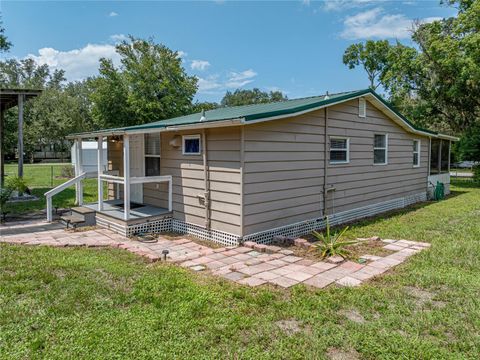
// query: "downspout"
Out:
[206,172]
[325,164]
[242,181]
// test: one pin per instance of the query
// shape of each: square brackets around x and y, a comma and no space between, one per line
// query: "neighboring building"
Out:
[89,156]
[253,172]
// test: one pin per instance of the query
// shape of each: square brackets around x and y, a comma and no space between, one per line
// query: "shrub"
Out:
[67,171]
[331,245]
[476,174]
[15,183]
[5,194]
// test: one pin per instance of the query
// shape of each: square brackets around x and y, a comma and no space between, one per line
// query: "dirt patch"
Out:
[176,236]
[371,247]
[353,315]
[290,327]
[339,354]
[422,297]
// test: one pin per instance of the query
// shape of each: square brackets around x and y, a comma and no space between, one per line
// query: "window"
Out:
[152,154]
[339,150]
[191,145]
[416,153]
[434,156]
[362,107]
[444,156]
[380,145]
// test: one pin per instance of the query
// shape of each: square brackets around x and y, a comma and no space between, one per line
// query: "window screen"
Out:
[380,149]
[435,156]
[416,153]
[338,150]
[152,144]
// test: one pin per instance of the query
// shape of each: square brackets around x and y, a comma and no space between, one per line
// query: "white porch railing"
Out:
[49,194]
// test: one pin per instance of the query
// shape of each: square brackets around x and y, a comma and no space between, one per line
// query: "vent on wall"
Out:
[362,107]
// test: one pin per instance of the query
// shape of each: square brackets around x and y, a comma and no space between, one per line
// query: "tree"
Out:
[149,85]
[254,96]
[436,83]
[372,56]
[5,45]
[60,109]
[199,106]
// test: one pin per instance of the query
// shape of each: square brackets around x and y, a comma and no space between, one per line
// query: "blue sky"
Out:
[295,46]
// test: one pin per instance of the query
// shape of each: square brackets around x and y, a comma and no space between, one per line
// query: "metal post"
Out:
[100,171]
[20,135]
[126,176]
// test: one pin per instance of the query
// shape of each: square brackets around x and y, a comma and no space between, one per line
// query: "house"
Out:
[254,172]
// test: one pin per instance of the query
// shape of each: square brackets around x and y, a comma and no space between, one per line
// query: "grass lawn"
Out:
[41,178]
[106,304]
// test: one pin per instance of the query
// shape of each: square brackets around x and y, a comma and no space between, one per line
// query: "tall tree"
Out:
[253,96]
[437,82]
[5,45]
[149,85]
[60,109]
[371,55]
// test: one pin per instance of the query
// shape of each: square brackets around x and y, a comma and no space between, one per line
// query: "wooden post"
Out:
[126,176]
[100,171]
[20,135]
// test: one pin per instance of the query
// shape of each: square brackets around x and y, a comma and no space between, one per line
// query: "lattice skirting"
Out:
[307,226]
[293,230]
[219,237]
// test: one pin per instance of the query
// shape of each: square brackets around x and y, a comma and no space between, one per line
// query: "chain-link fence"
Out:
[42,175]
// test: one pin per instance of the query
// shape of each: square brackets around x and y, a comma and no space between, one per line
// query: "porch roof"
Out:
[239,115]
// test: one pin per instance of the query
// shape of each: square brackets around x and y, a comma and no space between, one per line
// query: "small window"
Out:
[416,153]
[380,145]
[152,154]
[339,150]
[191,145]
[362,107]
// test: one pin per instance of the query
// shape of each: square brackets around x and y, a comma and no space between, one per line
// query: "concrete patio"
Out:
[251,265]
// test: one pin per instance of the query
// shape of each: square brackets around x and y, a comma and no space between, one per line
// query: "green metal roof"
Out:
[261,111]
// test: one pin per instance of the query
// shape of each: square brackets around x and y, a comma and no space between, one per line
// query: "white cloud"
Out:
[113,14]
[182,54]
[340,5]
[78,63]
[239,79]
[118,37]
[199,65]
[375,23]
[215,84]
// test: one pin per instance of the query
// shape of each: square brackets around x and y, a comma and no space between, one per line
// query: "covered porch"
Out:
[120,184]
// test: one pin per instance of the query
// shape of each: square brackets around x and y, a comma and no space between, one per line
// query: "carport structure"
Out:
[9,98]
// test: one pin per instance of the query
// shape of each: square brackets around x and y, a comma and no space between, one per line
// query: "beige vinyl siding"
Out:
[283,171]
[223,146]
[360,182]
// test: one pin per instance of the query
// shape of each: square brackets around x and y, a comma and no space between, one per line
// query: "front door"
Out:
[136,167]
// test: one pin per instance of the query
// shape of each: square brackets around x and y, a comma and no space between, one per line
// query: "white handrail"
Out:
[112,178]
[58,189]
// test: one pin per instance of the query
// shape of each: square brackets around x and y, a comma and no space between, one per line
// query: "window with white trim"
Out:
[380,149]
[362,107]
[339,150]
[191,145]
[152,154]
[416,153]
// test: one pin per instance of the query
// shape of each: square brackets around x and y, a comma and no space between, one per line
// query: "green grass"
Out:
[42,177]
[109,304]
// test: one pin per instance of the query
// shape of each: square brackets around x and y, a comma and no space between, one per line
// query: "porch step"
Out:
[72,221]
[82,210]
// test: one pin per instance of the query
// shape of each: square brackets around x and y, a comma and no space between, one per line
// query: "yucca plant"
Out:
[331,244]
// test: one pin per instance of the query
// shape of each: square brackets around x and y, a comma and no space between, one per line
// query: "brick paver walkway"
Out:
[251,265]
